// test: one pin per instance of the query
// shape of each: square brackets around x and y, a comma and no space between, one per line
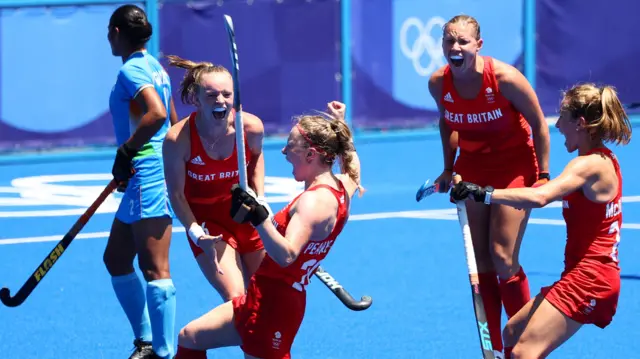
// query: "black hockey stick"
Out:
[478,306]
[341,293]
[55,254]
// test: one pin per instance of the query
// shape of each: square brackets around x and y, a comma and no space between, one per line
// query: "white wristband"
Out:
[263,201]
[195,232]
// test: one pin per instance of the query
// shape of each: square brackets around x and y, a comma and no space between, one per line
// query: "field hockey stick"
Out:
[341,293]
[481,316]
[55,254]
[237,104]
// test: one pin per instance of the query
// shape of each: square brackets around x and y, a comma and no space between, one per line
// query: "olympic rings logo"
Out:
[424,43]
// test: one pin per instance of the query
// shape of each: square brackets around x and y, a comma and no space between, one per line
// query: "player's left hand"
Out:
[245,207]
[123,169]
[208,245]
[337,109]
[543,177]
[467,190]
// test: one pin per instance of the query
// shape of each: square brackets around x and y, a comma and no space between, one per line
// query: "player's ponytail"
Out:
[332,139]
[190,84]
[614,125]
[349,161]
[603,113]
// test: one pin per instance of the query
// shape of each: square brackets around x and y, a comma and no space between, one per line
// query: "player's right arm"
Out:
[173,115]
[313,219]
[139,85]
[175,152]
[580,173]
[449,137]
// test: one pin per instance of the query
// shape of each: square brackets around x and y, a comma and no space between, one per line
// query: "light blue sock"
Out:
[130,294]
[161,300]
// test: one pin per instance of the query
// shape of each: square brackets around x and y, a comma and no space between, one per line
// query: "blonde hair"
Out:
[469,20]
[332,138]
[190,84]
[603,112]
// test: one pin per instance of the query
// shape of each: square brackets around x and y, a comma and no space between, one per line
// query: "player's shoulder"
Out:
[252,124]
[436,81]
[589,165]
[437,77]
[133,64]
[179,132]
[506,73]
[317,205]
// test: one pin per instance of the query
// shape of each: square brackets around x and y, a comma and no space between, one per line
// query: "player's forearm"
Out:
[520,197]
[276,245]
[256,171]
[448,152]
[149,125]
[542,146]
[182,209]
[173,114]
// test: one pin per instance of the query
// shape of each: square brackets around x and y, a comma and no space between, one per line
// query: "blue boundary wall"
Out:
[348,9]
[151,8]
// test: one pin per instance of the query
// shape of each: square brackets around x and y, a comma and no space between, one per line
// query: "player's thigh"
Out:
[547,329]
[216,329]
[153,240]
[120,249]
[507,227]
[479,216]
[252,261]
[231,283]
[516,324]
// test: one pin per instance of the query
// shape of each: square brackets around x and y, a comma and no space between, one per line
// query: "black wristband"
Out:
[129,151]
[544,175]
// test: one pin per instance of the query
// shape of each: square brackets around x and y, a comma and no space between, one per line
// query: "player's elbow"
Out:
[285,259]
[539,200]
[159,115]
[177,198]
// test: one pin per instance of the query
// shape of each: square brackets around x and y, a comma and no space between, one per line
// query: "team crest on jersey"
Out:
[490,96]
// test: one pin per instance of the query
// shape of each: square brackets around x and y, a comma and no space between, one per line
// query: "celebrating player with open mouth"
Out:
[591,190]
[489,111]
[201,166]
[264,322]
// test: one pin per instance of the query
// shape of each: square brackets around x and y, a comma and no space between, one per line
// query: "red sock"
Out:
[186,353]
[490,293]
[515,292]
[507,352]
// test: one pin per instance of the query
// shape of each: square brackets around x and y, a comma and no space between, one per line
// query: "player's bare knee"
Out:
[187,338]
[485,264]
[116,265]
[505,264]
[522,352]
[509,335]
[151,274]
[231,293]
